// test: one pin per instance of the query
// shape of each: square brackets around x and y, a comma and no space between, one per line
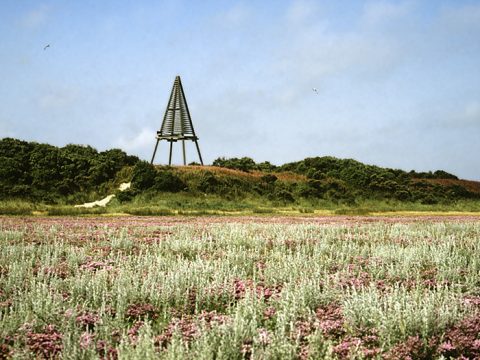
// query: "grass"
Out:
[152,288]
[188,204]
[19,207]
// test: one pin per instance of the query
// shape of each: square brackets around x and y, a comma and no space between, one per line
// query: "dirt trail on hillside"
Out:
[103,202]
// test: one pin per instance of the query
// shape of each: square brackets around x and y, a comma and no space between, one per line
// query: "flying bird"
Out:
[45,48]
[315,90]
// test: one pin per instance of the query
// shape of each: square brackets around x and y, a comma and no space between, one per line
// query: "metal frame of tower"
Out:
[177,123]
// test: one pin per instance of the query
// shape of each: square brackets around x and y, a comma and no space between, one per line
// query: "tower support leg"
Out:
[184,157]
[198,150]
[170,156]
[154,151]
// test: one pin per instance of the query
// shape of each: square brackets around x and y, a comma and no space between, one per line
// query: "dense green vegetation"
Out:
[350,178]
[49,175]
[313,179]
[33,171]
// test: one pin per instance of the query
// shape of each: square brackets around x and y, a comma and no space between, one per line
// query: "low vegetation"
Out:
[278,288]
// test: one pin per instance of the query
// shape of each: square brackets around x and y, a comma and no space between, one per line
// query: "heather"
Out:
[240,287]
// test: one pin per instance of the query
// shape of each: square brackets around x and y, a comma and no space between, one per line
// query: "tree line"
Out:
[43,172]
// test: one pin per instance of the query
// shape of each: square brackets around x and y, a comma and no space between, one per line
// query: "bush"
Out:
[315,174]
[429,199]
[283,195]
[269,178]
[244,164]
[126,196]
[457,191]
[266,166]
[308,190]
[208,183]
[44,172]
[168,182]
[440,174]
[335,189]
[402,195]
[144,176]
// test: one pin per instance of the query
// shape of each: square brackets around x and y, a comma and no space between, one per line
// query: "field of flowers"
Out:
[240,288]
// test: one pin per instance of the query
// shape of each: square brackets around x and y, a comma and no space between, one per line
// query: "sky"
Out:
[398,82]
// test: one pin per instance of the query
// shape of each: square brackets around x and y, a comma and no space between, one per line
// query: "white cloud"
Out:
[140,142]
[36,17]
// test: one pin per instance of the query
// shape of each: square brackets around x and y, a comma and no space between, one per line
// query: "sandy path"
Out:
[105,200]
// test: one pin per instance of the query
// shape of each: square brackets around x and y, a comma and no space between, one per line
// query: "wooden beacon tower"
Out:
[177,123]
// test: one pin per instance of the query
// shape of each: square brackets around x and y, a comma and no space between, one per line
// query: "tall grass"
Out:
[208,204]
[19,207]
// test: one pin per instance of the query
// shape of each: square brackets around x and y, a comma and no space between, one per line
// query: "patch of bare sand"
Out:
[103,202]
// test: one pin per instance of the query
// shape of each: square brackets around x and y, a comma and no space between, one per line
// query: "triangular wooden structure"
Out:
[177,123]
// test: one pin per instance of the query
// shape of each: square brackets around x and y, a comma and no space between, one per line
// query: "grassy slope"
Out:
[473,186]
[210,204]
[470,185]
[252,175]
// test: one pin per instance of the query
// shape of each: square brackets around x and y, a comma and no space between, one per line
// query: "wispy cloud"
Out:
[461,17]
[59,99]
[380,12]
[36,17]
[302,11]
[466,116]
[140,142]
[312,51]
[235,16]
[472,112]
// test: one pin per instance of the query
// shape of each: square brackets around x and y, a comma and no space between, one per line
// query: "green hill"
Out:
[45,174]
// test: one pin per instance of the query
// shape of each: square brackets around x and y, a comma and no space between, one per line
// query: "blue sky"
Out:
[398,81]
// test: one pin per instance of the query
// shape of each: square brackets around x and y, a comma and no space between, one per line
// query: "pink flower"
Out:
[263,336]
[133,331]
[87,320]
[446,346]
[86,339]
[269,312]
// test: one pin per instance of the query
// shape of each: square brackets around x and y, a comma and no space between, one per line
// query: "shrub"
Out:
[269,178]
[244,164]
[126,196]
[169,182]
[144,175]
[440,174]
[208,182]
[457,191]
[316,174]
[335,189]
[402,195]
[283,195]
[429,199]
